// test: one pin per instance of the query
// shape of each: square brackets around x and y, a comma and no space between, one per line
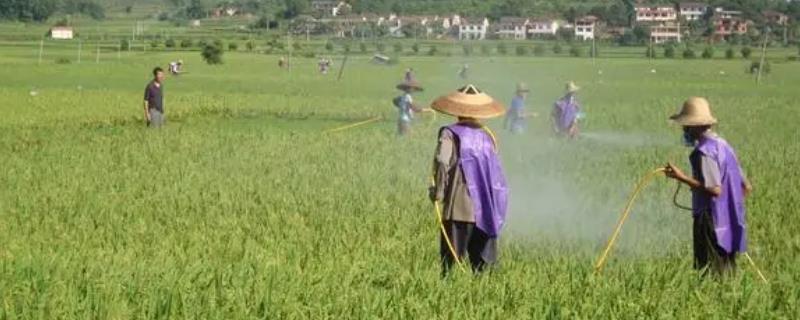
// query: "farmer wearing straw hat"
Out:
[515,118]
[566,111]
[405,106]
[469,180]
[719,189]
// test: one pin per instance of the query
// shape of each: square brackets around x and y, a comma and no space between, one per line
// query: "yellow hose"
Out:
[753,264]
[350,126]
[625,213]
[444,231]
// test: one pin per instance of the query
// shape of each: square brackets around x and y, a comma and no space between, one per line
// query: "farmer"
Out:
[565,113]
[405,106]
[154,100]
[175,68]
[718,187]
[464,72]
[282,63]
[469,180]
[515,118]
[409,76]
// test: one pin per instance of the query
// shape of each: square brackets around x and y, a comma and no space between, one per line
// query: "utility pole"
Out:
[41,50]
[763,55]
[80,48]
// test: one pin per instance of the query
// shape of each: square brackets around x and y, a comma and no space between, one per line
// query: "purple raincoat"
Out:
[565,112]
[727,210]
[484,176]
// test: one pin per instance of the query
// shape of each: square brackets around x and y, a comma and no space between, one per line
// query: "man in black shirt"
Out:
[154,100]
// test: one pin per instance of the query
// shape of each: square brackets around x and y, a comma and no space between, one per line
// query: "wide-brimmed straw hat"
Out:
[522,87]
[410,86]
[469,102]
[572,87]
[696,111]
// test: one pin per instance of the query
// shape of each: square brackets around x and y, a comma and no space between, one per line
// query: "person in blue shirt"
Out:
[515,118]
[405,106]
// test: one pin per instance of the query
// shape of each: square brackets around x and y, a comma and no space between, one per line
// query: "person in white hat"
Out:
[566,111]
[469,180]
[516,115]
[719,189]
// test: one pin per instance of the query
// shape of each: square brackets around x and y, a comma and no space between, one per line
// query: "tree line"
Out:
[41,10]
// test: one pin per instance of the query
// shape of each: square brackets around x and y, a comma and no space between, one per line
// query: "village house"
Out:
[62,33]
[343,8]
[512,28]
[692,11]
[666,33]
[324,7]
[655,13]
[776,18]
[543,27]
[725,28]
[472,29]
[720,12]
[586,27]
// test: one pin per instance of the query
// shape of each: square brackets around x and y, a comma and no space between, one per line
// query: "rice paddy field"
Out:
[241,207]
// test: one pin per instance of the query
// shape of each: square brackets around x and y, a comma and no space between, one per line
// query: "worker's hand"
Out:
[747,188]
[671,171]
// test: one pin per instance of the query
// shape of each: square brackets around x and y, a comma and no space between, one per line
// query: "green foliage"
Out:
[62,60]
[380,47]
[250,45]
[755,65]
[576,51]
[187,43]
[346,47]
[708,52]
[154,43]
[557,49]
[730,53]
[539,50]
[329,46]
[746,52]
[689,53]
[397,47]
[467,49]
[651,53]
[124,44]
[169,43]
[212,53]
[502,49]
[233,46]
[28,10]
[486,49]
[362,47]
[85,7]
[415,48]
[432,50]
[521,50]
[669,51]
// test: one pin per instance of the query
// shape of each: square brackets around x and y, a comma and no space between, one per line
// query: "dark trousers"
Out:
[468,242]
[708,255]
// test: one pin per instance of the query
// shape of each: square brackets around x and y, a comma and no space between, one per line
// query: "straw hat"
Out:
[695,112]
[522,87]
[410,86]
[572,87]
[469,102]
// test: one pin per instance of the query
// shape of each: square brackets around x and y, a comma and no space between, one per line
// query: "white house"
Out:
[543,27]
[655,13]
[692,11]
[62,33]
[474,29]
[585,28]
[665,33]
[721,13]
[512,28]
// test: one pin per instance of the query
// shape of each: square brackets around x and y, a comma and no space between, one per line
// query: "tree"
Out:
[250,45]
[650,53]
[28,10]
[522,50]
[730,54]
[501,48]
[708,52]
[397,47]
[669,51]
[233,46]
[557,49]
[169,43]
[195,10]
[293,8]
[689,53]
[575,51]
[362,47]
[212,53]
[467,48]
[329,46]
[432,50]
[415,48]
[539,50]
[746,52]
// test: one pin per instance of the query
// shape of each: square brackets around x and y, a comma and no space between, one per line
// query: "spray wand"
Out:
[598,267]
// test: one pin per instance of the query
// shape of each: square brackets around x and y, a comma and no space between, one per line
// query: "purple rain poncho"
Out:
[727,210]
[484,176]
[565,112]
